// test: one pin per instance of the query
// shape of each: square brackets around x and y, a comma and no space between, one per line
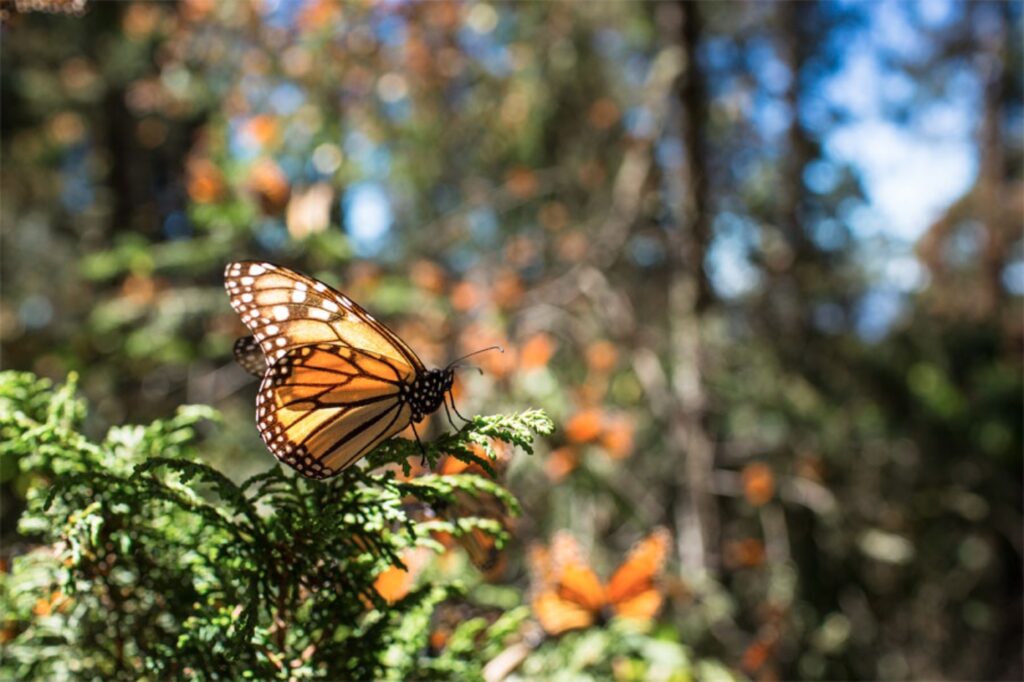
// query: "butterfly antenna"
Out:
[456,361]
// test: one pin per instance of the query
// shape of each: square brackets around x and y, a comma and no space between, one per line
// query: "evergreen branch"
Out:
[269,577]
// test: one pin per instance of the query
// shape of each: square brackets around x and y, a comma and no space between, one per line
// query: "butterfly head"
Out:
[426,394]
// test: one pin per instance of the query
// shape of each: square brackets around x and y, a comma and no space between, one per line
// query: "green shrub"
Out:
[149,563]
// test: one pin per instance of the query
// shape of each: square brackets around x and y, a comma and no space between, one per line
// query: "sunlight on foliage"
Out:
[156,563]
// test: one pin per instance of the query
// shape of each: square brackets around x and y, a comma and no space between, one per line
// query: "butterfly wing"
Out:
[285,309]
[395,582]
[481,547]
[576,580]
[632,590]
[567,592]
[555,613]
[249,356]
[322,407]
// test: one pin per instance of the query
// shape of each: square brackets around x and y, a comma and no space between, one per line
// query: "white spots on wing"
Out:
[255,270]
[298,296]
[281,341]
[330,305]
[247,297]
[247,281]
[301,286]
[346,301]
[273,329]
[320,286]
[319,314]
[280,312]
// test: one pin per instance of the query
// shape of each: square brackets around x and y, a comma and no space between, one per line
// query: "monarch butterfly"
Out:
[335,381]
[567,594]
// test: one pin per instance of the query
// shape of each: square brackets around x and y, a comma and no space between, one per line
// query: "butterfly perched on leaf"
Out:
[568,595]
[336,382]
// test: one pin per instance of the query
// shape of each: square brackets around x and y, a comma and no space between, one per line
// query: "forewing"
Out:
[555,613]
[249,356]
[285,309]
[322,407]
[574,578]
[633,591]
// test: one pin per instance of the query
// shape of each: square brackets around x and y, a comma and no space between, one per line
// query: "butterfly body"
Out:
[335,382]
[426,394]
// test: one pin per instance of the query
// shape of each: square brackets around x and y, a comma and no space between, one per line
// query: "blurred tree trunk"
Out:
[796,43]
[993,193]
[974,290]
[796,267]
[694,511]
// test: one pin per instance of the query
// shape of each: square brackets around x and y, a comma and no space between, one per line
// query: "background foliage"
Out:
[658,209]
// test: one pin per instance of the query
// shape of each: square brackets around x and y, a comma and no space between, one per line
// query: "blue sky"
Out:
[911,168]
[910,172]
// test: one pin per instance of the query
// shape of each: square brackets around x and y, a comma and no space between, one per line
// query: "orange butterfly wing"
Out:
[285,309]
[322,407]
[567,592]
[632,591]
[395,582]
[576,580]
[554,613]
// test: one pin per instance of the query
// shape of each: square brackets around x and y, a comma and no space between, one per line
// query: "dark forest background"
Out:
[762,263]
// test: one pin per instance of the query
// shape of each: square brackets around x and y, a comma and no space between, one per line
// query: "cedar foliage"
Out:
[153,563]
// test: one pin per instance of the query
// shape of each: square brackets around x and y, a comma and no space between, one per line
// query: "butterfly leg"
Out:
[452,398]
[423,449]
[449,415]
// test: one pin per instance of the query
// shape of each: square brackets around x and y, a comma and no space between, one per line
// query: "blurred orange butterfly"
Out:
[567,594]
[455,613]
[481,547]
[395,582]
[336,382]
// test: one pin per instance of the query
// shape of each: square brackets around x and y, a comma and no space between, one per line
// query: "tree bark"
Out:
[694,507]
